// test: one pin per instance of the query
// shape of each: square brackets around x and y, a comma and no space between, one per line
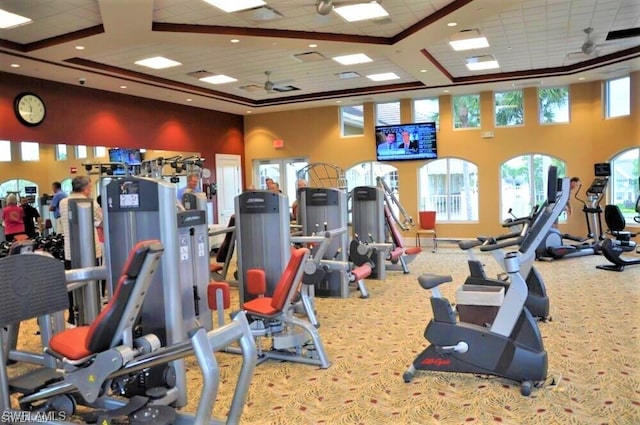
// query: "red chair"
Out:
[427,222]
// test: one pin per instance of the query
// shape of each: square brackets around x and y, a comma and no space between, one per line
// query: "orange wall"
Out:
[83,116]
[587,139]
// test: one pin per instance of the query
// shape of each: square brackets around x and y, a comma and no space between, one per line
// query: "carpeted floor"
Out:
[593,347]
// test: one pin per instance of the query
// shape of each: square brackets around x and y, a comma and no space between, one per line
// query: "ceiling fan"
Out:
[589,49]
[324,7]
[271,86]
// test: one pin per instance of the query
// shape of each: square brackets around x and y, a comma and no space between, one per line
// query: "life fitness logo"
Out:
[436,361]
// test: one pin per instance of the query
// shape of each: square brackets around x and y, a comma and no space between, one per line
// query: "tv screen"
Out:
[128,156]
[406,142]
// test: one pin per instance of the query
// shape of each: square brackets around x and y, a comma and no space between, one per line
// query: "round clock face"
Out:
[30,109]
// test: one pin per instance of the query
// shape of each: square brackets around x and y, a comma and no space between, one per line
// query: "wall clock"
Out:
[30,109]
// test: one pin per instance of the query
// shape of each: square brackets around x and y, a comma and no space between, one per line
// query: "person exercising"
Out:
[574,183]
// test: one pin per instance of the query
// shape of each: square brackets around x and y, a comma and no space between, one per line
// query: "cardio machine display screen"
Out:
[129,194]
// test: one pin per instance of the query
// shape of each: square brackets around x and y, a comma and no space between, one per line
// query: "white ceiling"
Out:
[536,43]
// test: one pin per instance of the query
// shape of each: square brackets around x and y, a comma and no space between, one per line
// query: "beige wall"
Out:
[587,139]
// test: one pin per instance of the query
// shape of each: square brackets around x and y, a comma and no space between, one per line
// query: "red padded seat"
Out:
[71,343]
[271,306]
[83,341]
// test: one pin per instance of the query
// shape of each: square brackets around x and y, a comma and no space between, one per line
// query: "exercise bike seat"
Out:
[430,281]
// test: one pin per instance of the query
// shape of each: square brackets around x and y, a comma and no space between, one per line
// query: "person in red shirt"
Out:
[12,218]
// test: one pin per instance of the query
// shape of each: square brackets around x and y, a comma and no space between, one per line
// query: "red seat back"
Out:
[396,237]
[427,220]
[290,277]
[105,331]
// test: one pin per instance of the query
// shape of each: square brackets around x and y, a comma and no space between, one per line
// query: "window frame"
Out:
[437,115]
[343,125]
[532,199]
[394,120]
[632,186]
[607,97]
[23,145]
[5,148]
[62,153]
[568,106]
[446,216]
[495,109]
[454,114]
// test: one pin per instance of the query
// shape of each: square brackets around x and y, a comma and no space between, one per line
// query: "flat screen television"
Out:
[406,142]
[126,155]
[129,156]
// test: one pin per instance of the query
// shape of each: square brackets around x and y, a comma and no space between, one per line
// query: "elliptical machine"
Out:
[553,246]
[511,347]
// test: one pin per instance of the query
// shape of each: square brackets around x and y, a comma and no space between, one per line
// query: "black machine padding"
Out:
[31,285]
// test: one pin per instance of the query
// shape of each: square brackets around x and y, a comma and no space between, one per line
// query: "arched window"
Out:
[365,174]
[20,186]
[449,186]
[523,183]
[625,182]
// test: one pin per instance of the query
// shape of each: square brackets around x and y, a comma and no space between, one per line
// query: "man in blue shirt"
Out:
[192,186]
[58,195]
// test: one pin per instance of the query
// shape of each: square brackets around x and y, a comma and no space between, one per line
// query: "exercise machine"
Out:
[612,249]
[97,362]
[511,346]
[553,246]
[368,223]
[273,317]
[537,299]
[141,208]
[321,210]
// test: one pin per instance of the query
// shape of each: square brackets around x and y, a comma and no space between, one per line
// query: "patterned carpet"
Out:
[593,346]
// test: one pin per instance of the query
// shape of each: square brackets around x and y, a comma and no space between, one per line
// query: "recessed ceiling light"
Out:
[189,99]
[235,5]
[353,59]
[581,78]
[158,62]
[235,40]
[248,112]
[313,45]
[481,63]
[218,79]
[11,20]
[361,11]
[15,65]
[452,24]
[386,76]
[423,70]
[123,87]
[467,40]
[338,101]
[79,47]
[445,91]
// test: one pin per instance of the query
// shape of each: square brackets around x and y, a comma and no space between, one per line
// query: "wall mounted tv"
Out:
[126,155]
[406,142]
